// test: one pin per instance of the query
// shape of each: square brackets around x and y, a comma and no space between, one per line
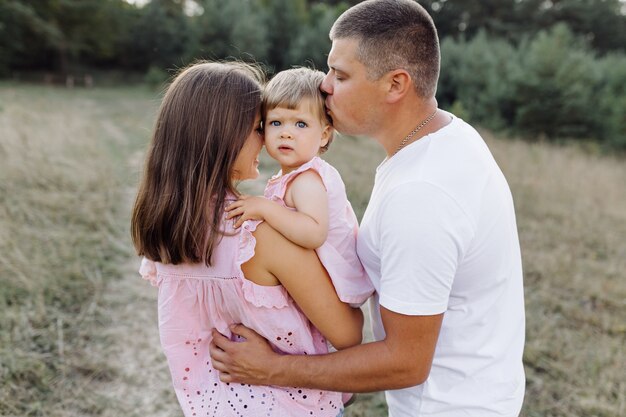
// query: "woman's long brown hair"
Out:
[205,117]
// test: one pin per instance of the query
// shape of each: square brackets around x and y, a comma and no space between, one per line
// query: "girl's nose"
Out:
[285,134]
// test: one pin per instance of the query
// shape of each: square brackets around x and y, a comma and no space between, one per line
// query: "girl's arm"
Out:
[303,276]
[307,226]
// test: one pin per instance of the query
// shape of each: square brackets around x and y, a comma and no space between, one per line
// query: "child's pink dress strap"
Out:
[338,253]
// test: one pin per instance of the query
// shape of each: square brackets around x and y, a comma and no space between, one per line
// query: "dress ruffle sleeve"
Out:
[257,295]
[148,271]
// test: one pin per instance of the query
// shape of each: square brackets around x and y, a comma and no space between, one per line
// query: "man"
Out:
[438,239]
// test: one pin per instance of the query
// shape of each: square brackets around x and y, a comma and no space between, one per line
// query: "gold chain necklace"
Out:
[414,131]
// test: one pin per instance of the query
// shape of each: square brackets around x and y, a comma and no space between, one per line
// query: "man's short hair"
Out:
[393,34]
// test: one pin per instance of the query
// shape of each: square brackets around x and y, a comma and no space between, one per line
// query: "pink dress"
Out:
[338,252]
[194,298]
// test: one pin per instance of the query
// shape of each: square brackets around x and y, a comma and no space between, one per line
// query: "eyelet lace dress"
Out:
[193,299]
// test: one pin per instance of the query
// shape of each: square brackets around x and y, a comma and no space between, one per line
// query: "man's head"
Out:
[393,34]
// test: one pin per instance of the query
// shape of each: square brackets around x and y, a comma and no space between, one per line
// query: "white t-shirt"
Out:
[439,236]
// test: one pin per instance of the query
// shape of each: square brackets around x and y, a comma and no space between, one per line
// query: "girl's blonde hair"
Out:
[288,88]
[204,120]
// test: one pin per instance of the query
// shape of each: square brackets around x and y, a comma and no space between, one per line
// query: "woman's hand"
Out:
[248,208]
[249,361]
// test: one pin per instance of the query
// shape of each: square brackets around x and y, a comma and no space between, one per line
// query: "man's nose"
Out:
[326,85]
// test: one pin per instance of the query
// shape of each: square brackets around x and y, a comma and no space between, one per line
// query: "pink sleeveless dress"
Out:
[338,252]
[193,299]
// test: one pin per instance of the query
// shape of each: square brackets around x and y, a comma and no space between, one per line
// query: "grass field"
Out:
[77,326]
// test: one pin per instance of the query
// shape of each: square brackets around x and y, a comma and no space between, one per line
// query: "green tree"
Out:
[602,22]
[59,34]
[612,101]
[162,36]
[468,17]
[23,37]
[231,28]
[312,44]
[552,85]
[476,75]
[555,90]
[284,20]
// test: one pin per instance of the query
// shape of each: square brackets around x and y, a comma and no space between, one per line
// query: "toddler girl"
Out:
[306,201]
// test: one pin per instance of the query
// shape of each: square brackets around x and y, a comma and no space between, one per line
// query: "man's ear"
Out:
[399,83]
[327,133]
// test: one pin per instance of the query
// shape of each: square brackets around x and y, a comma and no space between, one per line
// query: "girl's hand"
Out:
[247,208]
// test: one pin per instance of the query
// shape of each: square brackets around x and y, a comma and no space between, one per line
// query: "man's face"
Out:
[352,98]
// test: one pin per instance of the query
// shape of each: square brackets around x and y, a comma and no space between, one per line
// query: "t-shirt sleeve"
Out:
[424,234]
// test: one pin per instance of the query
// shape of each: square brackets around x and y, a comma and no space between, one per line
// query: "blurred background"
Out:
[538,67]
[80,83]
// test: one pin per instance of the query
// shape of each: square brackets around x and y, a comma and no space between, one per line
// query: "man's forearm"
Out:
[364,368]
[402,359]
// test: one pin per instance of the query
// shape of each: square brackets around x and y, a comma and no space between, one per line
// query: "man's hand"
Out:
[248,208]
[248,362]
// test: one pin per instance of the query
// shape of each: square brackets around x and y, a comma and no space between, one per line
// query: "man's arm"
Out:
[401,360]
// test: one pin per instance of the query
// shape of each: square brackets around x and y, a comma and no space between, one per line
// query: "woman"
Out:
[210,275]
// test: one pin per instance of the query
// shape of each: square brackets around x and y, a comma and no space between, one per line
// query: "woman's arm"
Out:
[307,226]
[303,276]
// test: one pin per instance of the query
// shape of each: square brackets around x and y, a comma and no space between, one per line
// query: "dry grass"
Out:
[63,241]
[75,339]
[571,209]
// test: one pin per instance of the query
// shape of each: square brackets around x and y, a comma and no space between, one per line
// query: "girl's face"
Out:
[246,166]
[294,136]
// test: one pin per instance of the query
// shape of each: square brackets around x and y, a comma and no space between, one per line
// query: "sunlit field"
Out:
[78,326]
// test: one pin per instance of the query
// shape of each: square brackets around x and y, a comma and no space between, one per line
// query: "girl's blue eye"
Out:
[301,124]
[274,123]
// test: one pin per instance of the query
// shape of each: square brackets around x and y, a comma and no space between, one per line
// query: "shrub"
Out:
[155,77]
[477,74]
[551,85]
[612,101]
[554,91]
